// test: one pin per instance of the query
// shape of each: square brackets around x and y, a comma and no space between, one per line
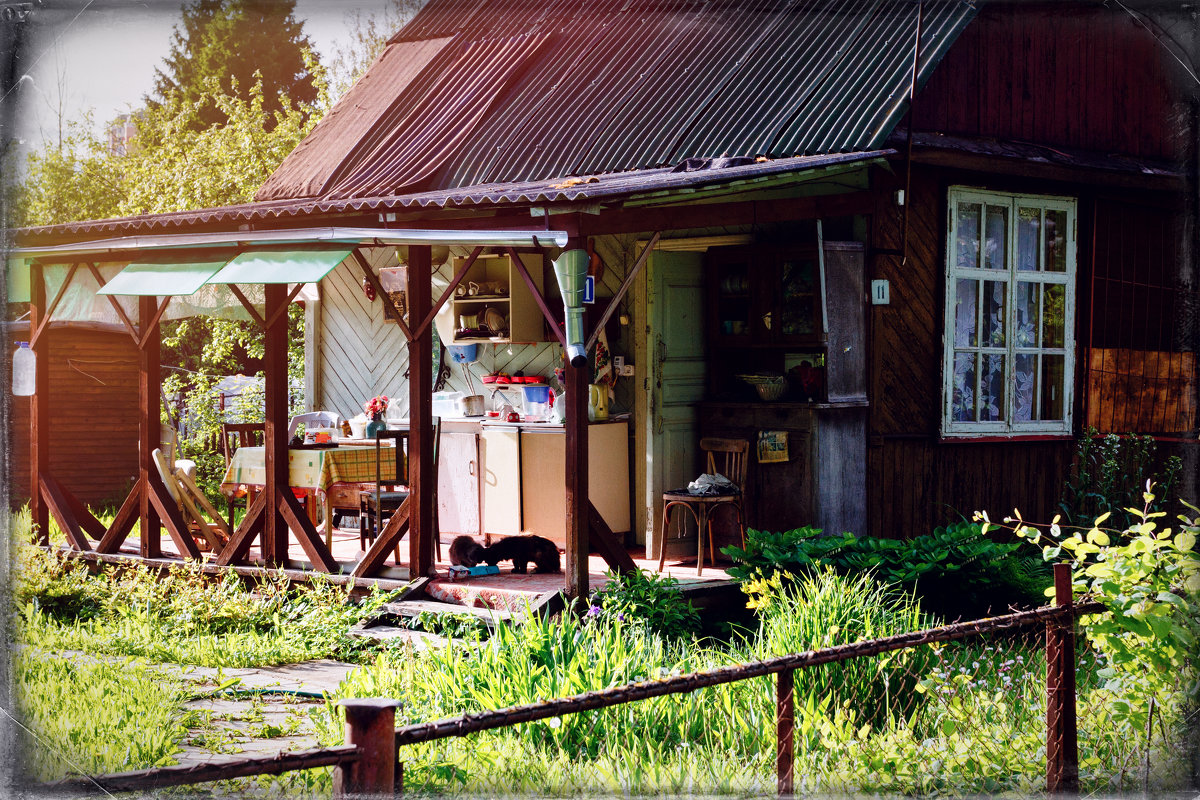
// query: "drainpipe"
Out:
[570,269]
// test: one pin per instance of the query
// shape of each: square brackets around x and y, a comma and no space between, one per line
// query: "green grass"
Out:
[98,717]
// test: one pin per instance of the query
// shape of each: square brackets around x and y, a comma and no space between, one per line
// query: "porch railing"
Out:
[369,762]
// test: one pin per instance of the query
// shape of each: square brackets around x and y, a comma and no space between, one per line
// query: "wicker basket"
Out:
[769,387]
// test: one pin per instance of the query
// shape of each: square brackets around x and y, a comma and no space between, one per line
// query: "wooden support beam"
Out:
[385,542]
[577,481]
[168,512]
[607,544]
[537,296]
[389,308]
[129,326]
[122,523]
[239,543]
[275,530]
[306,533]
[90,525]
[39,409]
[446,295]
[153,331]
[611,308]
[62,514]
[245,301]
[283,309]
[421,468]
[149,424]
[45,320]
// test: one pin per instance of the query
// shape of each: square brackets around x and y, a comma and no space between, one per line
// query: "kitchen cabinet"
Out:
[524,483]
[766,296]
[544,480]
[458,483]
[495,290]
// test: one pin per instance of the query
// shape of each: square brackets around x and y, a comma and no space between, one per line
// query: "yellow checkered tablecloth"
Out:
[310,469]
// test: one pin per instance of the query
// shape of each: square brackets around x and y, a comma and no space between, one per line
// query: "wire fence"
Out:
[995,697]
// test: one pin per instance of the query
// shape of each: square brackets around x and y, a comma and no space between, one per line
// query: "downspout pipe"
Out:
[570,269]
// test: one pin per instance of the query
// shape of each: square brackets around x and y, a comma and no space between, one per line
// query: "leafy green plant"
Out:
[650,598]
[1108,476]
[955,571]
[454,626]
[1149,580]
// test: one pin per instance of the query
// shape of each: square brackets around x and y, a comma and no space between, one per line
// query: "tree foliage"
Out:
[369,34]
[235,43]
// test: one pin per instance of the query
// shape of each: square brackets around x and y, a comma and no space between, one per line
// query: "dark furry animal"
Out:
[465,551]
[523,549]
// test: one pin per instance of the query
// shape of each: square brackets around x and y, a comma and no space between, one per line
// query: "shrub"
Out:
[1109,474]
[640,596]
[955,571]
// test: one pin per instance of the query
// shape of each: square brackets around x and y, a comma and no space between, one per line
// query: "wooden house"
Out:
[962,228]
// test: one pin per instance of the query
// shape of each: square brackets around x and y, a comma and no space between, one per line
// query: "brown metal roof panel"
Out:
[307,169]
[568,98]
[863,104]
[433,130]
[643,131]
[777,76]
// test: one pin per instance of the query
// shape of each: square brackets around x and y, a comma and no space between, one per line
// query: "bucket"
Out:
[473,405]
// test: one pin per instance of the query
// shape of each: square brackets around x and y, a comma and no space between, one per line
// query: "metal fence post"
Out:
[370,726]
[784,719]
[1062,748]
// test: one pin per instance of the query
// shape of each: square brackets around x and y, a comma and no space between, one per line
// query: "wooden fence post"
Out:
[784,728]
[1062,748]
[370,726]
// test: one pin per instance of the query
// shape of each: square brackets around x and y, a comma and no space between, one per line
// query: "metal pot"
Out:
[473,405]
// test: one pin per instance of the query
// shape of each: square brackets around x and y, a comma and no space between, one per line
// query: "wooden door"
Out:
[458,485]
[675,381]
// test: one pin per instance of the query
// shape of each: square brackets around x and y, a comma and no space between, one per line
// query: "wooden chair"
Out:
[233,436]
[728,457]
[377,505]
[208,535]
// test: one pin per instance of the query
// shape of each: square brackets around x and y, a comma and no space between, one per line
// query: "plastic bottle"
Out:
[24,374]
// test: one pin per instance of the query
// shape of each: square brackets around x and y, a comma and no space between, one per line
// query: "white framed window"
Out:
[1009,341]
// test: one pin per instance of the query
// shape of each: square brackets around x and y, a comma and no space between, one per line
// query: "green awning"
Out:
[17,276]
[281,266]
[164,276]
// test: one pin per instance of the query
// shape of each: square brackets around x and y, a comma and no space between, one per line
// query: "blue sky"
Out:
[102,55]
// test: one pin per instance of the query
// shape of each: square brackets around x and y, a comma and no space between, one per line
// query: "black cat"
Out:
[465,551]
[523,549]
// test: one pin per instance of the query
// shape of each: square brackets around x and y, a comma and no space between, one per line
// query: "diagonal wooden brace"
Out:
[239,543]
[306,533]
[383,545]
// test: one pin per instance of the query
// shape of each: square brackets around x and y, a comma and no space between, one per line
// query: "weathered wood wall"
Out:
[93,437]
[1067,74]
[916,482]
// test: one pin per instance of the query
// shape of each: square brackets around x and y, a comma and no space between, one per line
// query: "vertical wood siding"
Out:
[94,430]
[915,482]
[1066,74]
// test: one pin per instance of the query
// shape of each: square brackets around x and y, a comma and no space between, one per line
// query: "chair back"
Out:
[240,434]
[729,457]
[399,438]
[321,419]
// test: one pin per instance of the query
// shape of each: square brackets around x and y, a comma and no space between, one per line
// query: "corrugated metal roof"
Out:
[524,90]
[595,188]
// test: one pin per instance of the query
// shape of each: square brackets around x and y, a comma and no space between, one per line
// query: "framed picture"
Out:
[772,447]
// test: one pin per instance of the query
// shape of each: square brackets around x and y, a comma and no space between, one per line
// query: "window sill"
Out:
[992,438]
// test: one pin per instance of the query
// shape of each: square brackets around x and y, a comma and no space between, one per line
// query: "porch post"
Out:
[149,423]
[420,413]
[275,531]
[577,380]
[39,407]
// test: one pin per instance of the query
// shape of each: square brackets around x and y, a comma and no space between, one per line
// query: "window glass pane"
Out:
[799,297]
[1029,222]
[1056,241]
[1025,334]
[993,313]
[991,388]
[963,399]
[1054,311]
[966,306]
[1052,386]
[995,247]
[967,247]
[1025,378]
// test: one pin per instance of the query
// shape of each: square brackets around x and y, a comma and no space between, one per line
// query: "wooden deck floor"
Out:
[507,589]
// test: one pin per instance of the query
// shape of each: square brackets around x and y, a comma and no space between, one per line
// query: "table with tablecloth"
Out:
[336,473]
